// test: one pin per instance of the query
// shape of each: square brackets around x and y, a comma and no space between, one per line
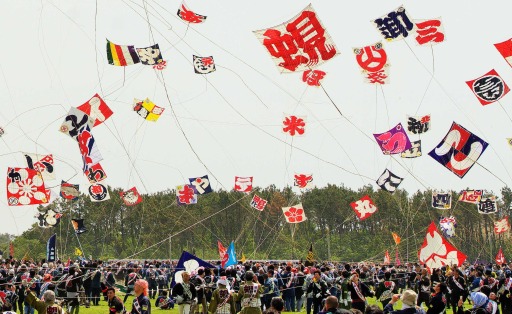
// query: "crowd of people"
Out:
[254,288]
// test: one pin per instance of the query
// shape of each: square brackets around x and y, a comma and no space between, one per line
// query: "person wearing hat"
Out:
[408,298]
[481,305]
[222,302]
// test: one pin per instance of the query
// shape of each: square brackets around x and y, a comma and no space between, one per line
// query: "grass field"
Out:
[102,308]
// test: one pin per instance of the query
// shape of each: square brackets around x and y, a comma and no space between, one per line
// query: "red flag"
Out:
[387,259]
[436,251]
[396,237]
[11,249]
[222,249]
[397,260]
[500,258]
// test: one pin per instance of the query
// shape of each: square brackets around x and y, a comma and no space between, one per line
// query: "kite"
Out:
[294,125]
[150,55]
[98,192]
[189,263]
[396,238]
[505,49]
[78,226]
[97,110]
[448,225]
[121,55]
[364,207]
[131,197]
[201,184]
[394,141]
[395,25]
[441,200]
[487,205]
[25,187]
[41,163]
[429,32]
[69,191]
[500,257]
[471,196]
[436,251]
[258,203]
[313,77]
[300,44]
[48,218]
[75,121]
[303,181]
[203,65]
[188,16]
[95,173]
[414,151]
[186,194]
[373,61]
[489,87]
[147,109]
[459,150]
[418,125]
[294,214]
[90,153]
[243,184]
[501,225]
[387,259]
[389,181]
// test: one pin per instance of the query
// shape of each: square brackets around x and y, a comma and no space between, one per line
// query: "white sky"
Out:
[54,59]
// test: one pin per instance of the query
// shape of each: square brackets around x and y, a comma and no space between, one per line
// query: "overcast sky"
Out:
[54,58]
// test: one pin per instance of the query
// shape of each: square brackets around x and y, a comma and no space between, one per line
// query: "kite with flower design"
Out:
[26,187]
[394,141]
[364,207]
[436,251]
[300,44]
[186,194]
[294,214]
[294,125]
[501,225]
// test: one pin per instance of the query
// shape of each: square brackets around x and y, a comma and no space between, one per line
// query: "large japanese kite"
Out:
[203,65]
[25,186]
[373,62]
[441,200]
[303,181]
[97,109]
[258,203]
[489,87]
[414,151]
[131,197]
[75,120]
[448,225]
[364,207]
[501,225]
[189,16]
[294,214]
[243,184]
[302,43]
[201,184]
[186,194]
[41,163]
[459,150]
[487,205]
[471,196]
[418,125]
[147,109]
[389,181]
[98,192]
[429,32]
[436,251]
[294,125]
[505,49]
[123,55]
[48,218]
[395,25]
[394,141]
[69,191]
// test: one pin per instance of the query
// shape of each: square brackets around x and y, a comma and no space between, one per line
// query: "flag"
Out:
[500,258]
[188,262]
[396,237]
[229,258]
[310,257]
[387,259]
[11,249]
[50,249]
[397,260]
[78,252]
[121,55]
[222,249]
[243,259]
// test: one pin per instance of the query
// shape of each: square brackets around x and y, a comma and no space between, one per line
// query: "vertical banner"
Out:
[50,249]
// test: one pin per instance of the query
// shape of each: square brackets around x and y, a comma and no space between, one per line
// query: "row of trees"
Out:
[157,228]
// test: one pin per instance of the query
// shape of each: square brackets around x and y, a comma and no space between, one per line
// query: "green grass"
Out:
[102,308]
